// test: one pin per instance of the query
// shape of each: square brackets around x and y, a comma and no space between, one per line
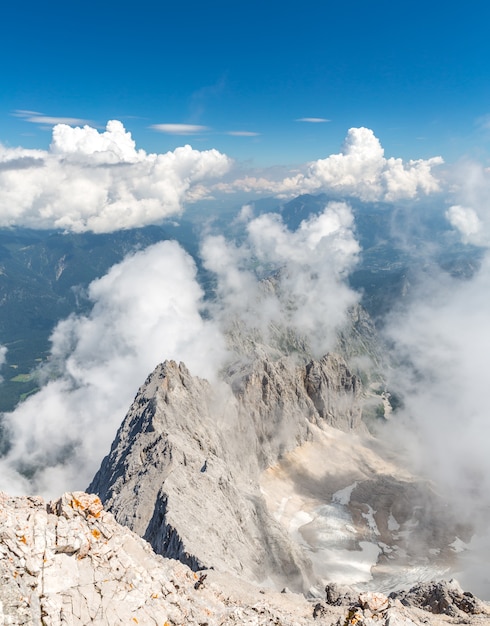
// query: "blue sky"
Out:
[416,73]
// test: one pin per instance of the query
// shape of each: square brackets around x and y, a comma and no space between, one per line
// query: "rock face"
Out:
[68,562]
[184,469]
[273,477]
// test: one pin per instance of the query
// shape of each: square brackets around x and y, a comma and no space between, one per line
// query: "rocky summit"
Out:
[184,469]
[68,562]
[272,475]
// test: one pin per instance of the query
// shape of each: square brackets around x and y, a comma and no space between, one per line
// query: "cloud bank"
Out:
[442,344]
[360,170]
[99,181]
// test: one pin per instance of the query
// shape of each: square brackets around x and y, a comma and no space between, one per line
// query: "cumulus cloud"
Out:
[307,268]
[359,170]
[362,170]
[466,221]
[145,309]
[99,181]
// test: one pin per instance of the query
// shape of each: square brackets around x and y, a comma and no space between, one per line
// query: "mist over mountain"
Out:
[269,293]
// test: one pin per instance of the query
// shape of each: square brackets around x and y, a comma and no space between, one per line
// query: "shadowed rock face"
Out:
[184,469]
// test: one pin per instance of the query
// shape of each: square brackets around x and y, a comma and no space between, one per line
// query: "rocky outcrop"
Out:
[442,598]
[184,469]
[281,400]
[68,562]
[405,608]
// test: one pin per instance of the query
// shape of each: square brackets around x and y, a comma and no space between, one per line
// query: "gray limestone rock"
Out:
[339,595]
[68,562]
[184,469]
[376,609]
[442,597]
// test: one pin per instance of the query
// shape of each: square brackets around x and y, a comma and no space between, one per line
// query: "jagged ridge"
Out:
[184,468]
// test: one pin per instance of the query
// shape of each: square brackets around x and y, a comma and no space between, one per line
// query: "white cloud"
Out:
[470,184]
[443,342]
[52,121]
[242,133]
[25,113]
[466,221]
[114,145]
[360,170]
[3,358]
[309,267]
[179,129]
[99,181]
[313,120]
[146,309]
[38,118]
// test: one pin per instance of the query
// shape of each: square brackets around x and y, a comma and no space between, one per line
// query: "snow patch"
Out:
[342,496]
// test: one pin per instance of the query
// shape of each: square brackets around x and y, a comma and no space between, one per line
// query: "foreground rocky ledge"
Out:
[69,562]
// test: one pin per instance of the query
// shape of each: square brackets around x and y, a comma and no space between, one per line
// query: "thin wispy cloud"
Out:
[313,120]
[34,117]
[25,113]
[180,129]
[242,133]
[483,122]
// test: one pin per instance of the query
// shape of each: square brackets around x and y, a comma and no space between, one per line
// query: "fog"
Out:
[309,268]
[149,308]
[441,345]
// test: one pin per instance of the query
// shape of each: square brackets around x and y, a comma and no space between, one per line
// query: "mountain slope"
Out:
[184,468]
[68,562]
[274,477]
